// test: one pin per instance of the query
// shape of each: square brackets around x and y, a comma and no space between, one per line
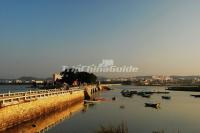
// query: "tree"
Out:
[71,75]
[84,77]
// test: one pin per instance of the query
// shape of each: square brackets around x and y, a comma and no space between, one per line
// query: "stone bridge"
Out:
[89,90]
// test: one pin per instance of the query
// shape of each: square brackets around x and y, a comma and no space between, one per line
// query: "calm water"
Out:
[14,88]
[181,113]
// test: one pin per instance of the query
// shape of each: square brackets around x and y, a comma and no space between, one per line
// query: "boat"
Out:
[126,93]
[122,106]
[166,97]
[197,96]
[113,98]
[141,93]
[133,92]
[146,95]
[149,92]
[153,105]
[123,91]
[144,92]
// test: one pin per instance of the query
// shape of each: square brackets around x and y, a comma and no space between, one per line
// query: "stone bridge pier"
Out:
[89,90]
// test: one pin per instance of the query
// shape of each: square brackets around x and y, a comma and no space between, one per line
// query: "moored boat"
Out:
[126,93]
[161,92]
[133,92]
[197,96]
[153,105]
[166,97]
[146,95]
[140,93]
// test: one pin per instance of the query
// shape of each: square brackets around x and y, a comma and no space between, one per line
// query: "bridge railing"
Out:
[18,97]
[9,94]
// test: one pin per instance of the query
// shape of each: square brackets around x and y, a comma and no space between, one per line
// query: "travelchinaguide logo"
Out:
[107,65]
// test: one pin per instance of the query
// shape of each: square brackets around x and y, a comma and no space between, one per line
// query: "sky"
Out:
[38,37]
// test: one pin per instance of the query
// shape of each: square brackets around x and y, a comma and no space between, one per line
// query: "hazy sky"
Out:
[37,37]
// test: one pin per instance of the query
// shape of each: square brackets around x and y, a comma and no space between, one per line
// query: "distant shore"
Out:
[184,88]
[15,83]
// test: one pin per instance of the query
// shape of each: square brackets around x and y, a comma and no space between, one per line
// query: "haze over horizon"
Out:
[159,37]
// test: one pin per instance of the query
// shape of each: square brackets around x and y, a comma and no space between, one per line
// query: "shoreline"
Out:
[184,88]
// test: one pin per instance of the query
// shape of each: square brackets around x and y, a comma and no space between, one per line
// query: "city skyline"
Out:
[159,37]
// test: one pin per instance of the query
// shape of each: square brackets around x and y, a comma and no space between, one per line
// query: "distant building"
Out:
[56,76]
[27,82]
[38,81]
[17,81]
[108,80]
[163,78]
[6,81]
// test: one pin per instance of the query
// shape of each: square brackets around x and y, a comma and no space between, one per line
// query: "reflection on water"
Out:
[180,114]
[44,123]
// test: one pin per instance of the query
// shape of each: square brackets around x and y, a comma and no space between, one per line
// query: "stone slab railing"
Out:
[7,99]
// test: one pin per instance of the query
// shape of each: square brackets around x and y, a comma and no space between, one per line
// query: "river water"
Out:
[14,88]
[180,114]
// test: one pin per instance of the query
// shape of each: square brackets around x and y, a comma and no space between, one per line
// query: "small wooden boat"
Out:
[122,106]
[133,92]
[166,97]
[196,96]
[123,91]
[149,92]
[126,93]
[113,98]
[153,105]
[141,93]
[146,95]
